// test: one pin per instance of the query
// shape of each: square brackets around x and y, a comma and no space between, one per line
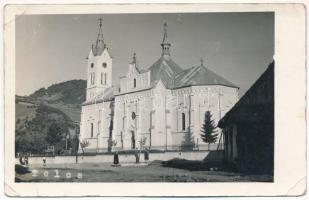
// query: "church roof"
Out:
[99,46]
[106,95]
[199,75]
[164,69]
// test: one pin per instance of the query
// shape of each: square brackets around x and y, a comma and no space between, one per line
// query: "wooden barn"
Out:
[249,128]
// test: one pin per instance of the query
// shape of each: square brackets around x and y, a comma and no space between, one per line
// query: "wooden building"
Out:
[249,128]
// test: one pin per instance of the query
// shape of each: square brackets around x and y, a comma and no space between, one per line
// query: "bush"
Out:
[19,169]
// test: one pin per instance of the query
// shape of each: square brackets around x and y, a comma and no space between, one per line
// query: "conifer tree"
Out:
[209,133]
[188,141]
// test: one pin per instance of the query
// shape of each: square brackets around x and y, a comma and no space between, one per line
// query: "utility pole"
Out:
[219,113]
[165,123]
[77,139]
[150,127]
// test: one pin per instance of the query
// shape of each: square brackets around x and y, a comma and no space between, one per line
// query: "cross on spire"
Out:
[202,61]
[165,33]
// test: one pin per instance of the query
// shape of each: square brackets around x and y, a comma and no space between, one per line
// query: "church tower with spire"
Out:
[165,43]
[99,66]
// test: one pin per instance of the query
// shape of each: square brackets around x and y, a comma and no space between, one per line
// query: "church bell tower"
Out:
[99,67]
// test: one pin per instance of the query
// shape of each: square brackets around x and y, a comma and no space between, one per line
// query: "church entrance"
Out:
[132,140]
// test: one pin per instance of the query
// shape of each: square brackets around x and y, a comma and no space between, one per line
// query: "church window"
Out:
[101,78]
[92,65]
[104,65]
[91,129]
[134,83]
[183,119]
[105,78]
[121,139]
[99,125]
[93,78]
[100,115]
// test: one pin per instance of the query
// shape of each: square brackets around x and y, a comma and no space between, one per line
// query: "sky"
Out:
[53,48]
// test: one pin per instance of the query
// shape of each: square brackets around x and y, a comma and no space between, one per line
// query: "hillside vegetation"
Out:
[56,106]
[69,92]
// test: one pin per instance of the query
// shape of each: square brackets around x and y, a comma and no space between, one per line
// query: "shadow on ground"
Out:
[213,160]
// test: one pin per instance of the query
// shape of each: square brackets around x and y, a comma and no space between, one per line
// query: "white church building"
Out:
[152,107]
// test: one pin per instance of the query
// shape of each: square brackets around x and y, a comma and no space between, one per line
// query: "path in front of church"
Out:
[154,172]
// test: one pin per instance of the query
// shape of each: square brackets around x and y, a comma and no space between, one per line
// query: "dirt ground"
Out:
[153,172]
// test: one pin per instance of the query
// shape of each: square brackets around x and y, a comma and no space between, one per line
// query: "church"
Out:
[151,108]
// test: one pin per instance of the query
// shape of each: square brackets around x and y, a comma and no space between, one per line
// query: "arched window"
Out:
[105,78]
[134,83]
[99,124]
[92,65]
[93,78]
[101,78]
[183,120]
[104,65]
[91,129]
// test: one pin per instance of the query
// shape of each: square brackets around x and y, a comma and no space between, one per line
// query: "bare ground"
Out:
[154,172]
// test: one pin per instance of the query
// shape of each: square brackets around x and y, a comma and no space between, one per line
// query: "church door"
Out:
[132,140]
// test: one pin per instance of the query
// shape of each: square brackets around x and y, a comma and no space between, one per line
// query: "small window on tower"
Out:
[134,83]
[92,65]
[104,65]
[183,116]
[91,130]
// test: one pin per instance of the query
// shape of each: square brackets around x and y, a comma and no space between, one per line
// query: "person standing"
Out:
[116,158]
[44,161]
[136,156]
[26,160]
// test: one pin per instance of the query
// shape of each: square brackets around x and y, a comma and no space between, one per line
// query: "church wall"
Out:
[158,116]
[126,128]
[99,116]
[201,99]
[127,82]
[161,136]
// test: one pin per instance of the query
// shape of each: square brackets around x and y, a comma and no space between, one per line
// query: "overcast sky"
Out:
[52,48]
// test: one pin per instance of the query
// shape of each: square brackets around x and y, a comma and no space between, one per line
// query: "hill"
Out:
[58,104]
[69,92]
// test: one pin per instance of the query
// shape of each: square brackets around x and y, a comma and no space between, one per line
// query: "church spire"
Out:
[165,43]
[134,58]
[202,62]
[99,46]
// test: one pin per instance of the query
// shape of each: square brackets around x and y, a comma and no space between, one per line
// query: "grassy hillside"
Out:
[69,92]
[58,104]
[31,130]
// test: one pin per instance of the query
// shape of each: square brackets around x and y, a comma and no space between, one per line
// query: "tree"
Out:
[84,144]
[142,141]
[209,133]
[188,141]
[54,134]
